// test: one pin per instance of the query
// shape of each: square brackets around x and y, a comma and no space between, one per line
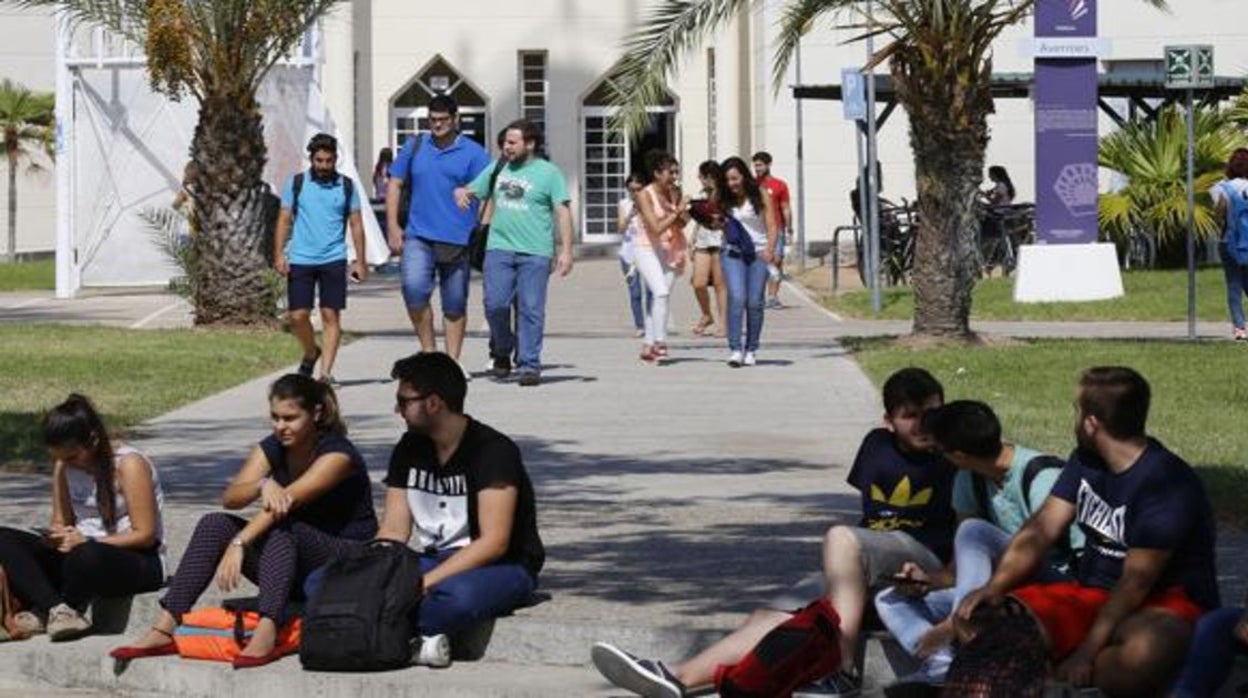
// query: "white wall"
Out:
[26,57]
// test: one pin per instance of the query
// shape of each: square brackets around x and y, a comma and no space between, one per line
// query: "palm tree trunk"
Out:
[11,255]
[231,279]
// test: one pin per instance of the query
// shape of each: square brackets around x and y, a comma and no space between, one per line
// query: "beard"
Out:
[324,177]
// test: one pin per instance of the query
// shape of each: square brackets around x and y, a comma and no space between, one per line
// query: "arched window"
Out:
[409,113]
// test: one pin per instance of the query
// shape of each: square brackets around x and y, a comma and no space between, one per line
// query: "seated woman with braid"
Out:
[316,504]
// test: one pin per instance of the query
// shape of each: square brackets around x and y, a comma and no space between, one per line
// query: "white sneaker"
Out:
[435,652]
[734,359]
[749,359]
[64,623]
[643,677]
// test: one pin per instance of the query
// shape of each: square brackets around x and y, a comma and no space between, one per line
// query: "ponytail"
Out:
[75,423]
[311,395]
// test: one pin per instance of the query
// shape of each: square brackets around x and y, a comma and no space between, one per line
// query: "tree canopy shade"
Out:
[26,125]
[218,53]
[939,54]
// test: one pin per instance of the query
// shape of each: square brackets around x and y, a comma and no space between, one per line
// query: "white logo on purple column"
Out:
[1076,187]
[1078,8]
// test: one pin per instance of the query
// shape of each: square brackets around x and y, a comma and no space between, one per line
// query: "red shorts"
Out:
[1067,610]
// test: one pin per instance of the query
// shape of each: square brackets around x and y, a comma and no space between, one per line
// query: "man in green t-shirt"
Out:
[529,203]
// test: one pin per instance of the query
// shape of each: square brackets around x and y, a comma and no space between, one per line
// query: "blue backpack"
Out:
[1236,223]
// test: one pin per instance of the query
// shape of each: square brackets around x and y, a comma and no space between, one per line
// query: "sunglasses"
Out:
[402,401]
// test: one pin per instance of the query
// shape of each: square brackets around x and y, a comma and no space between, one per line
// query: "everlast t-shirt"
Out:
[908,492]
[443,499]
[1158,503]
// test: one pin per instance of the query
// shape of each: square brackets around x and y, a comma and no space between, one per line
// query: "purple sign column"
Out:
[1066,122]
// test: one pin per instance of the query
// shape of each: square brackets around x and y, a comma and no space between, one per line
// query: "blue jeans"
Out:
[418,267]
[635,294]
[747,286]
[522,278]
[977,547]
[1210,658]
[1236,283]
[469,598]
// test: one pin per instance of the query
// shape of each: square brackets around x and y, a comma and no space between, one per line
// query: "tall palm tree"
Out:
[1152,156]
[217,52]
[939,53]
[26,119]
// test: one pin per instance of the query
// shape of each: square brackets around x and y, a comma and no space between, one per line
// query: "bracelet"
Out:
[238,543]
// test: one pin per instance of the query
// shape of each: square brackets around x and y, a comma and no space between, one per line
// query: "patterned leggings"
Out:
[275,561]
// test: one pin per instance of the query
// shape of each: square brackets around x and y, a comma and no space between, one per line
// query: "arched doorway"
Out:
[409,114]
[607,156]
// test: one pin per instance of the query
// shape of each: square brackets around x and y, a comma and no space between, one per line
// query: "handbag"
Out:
[479,240]
[219,634]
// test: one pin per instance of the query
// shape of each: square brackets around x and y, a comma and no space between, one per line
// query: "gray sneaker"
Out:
[28,623]
[64,623]
[842,683]
[644,677]
[435,652]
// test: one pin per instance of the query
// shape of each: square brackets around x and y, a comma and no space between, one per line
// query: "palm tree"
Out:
[1152,156]
[217,52]
[26,123]
[939,53]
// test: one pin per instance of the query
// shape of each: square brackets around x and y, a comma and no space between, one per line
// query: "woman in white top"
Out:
[660,253]
[746,279]
[707,270]
[628,225]
[105,537]
[1235,184]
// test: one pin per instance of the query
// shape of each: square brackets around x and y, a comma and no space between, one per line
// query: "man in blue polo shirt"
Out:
[318,203]
[435,239]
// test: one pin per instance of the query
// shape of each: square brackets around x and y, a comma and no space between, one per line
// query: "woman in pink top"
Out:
[661,252]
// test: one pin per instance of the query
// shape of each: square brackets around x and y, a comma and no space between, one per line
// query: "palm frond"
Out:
[798,18]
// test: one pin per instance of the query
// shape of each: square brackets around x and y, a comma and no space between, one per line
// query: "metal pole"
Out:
[1191,218]
[801,170]
[864,249]
[873,191]
[67,276]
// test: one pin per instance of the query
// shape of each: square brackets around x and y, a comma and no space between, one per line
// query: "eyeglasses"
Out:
[402,401]
[440,119]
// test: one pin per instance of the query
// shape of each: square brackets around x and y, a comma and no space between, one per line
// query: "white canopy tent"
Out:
[121,149]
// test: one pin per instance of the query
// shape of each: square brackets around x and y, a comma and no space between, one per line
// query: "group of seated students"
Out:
[994,565]
[459,484]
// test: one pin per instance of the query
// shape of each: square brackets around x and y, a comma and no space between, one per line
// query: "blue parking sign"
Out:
[854,94]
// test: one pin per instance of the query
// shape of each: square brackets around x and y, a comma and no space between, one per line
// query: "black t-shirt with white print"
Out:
[443,499]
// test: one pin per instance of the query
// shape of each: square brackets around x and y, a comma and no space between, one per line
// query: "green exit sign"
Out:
[1189,66]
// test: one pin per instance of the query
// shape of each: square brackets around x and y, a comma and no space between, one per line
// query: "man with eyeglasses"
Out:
[462,486]
[434,242]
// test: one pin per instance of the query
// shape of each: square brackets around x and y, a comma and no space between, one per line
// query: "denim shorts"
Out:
[305,280]
[418,269]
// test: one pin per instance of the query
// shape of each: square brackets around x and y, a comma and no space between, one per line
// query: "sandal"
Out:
[703,328]
[125,654]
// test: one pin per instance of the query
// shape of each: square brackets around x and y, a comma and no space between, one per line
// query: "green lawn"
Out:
[1149,296]
[39,275]
[132,375]
[1199,390]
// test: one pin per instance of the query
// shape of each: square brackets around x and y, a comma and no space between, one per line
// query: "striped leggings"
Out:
[275,561]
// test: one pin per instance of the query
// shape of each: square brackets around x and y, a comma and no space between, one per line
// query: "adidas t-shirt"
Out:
[1158,503]
[908,492]
[443,498]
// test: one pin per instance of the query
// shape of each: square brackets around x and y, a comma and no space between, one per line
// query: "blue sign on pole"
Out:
[853,94]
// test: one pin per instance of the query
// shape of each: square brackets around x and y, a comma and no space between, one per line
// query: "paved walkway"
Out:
[672,499]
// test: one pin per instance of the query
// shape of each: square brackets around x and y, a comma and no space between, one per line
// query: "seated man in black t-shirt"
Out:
[907,516]
[463,487]
[1147,571]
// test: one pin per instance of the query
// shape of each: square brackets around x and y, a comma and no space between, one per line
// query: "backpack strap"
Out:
[296,186]
[1034,467]
[348,191]
[980,486]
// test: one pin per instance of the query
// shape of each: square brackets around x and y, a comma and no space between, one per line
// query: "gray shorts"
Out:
[883,552]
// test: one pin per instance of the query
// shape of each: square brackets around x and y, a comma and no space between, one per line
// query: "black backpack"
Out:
[405,191]
[1064,548]
[359,621]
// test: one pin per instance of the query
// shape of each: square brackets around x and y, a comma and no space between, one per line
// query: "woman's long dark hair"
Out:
[711,170]
[998,173]
[311,394]
[384,159]
[750,184]
[76,424]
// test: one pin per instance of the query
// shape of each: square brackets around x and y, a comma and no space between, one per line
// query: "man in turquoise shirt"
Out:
[318,204]
[529,203]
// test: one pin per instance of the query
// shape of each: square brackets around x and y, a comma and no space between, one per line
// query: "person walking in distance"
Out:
[434,242]
[784,220]
[745,274]
[1229,196]
[707,240]
[531,204]
[318,205]
[628,225]
[660,251]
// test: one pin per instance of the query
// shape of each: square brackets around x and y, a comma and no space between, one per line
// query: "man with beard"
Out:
[463,487]
[1147,571]
[318,204]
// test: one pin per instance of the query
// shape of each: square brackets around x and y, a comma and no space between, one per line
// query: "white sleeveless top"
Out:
[87,517]
[752,221]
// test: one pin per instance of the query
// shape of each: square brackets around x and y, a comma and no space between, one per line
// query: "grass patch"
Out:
[39,275]
[132,375]
[1031,385]
[1149,296]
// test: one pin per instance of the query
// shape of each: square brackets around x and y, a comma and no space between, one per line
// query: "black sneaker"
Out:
[842,683]
[644,677]
[307,365]
[501,368]
[529,379]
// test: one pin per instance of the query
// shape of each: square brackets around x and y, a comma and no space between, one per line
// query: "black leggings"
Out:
[275,561]
[42,577]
